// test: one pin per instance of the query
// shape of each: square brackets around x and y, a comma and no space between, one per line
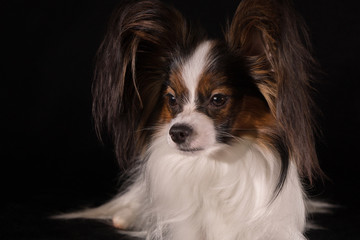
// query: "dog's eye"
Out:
[218,100]
[172,100]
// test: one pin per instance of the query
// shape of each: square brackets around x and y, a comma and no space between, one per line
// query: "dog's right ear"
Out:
[132,65]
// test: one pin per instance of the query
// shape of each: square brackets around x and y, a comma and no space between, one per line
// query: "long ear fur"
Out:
[275,41]
[132,64]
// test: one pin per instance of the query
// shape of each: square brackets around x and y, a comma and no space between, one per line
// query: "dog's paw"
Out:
[123,219]
[120,222]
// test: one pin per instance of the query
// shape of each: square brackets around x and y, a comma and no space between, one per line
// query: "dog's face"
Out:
[210,98]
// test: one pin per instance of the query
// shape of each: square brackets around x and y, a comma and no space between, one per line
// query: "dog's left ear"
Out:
[275,43]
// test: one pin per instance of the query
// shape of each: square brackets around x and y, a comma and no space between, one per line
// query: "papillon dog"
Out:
[219,134]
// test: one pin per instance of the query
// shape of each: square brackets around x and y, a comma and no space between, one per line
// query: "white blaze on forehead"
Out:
[204,131]
[194,66]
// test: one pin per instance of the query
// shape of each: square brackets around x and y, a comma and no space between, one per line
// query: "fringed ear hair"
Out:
[131,67]
[275,41]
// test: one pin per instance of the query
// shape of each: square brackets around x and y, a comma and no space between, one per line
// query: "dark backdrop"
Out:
[51,159]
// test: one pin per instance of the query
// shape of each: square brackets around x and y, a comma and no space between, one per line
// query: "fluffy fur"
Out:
[219,132]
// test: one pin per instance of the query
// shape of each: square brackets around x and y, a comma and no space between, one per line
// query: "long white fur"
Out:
[226,192]
[222,192]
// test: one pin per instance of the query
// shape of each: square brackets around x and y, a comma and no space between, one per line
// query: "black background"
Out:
[51,159]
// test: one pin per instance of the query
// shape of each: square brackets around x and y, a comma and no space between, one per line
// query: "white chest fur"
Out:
[224,193]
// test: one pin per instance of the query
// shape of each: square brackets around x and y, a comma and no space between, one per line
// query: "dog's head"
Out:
[154,69]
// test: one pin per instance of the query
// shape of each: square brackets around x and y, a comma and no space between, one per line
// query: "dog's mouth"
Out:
[183,149]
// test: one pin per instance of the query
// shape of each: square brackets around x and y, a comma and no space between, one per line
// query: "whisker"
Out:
[226,134]
[149,128]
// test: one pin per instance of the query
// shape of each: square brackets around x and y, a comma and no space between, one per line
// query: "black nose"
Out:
[180,132]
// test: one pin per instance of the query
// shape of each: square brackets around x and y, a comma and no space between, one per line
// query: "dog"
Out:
[219,134]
